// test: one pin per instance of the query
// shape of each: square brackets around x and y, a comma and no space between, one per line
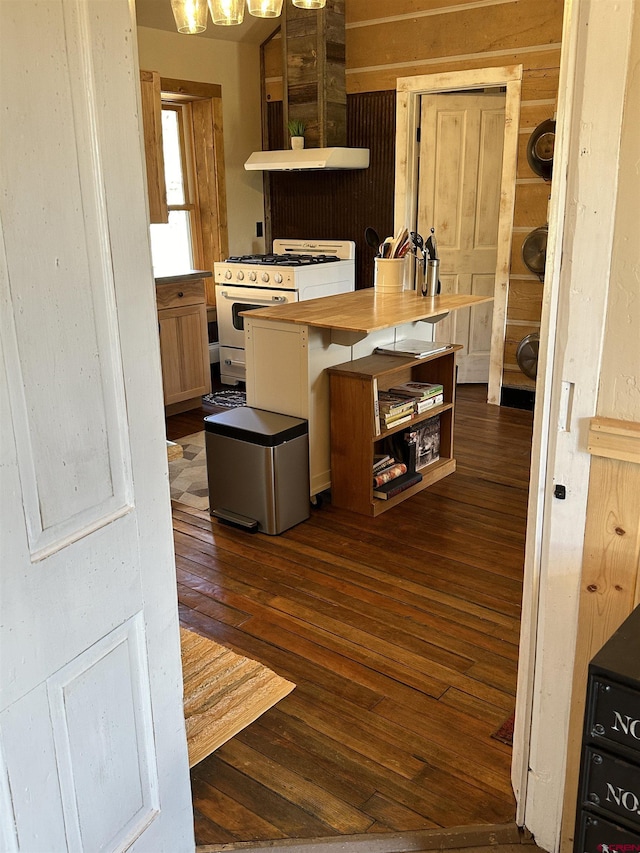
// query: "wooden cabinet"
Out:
[184,346]
[609,790]
[354,442]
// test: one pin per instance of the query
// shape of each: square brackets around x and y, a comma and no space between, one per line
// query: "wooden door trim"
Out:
[189,90]
[610,583]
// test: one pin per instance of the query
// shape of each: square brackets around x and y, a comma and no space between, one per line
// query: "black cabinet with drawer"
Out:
[609,790]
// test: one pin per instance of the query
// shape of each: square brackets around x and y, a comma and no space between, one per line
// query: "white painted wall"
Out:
[236,67]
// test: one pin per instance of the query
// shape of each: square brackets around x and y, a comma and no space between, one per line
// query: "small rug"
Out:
[505,732]
[226,399]
[188,475]
[223,693]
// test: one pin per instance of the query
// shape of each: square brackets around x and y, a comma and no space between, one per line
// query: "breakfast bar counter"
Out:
[366,311]
[289,348]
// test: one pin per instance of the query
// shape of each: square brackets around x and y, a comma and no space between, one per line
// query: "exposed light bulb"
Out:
[265,8]
[190,15]
[227,13]
[309,4]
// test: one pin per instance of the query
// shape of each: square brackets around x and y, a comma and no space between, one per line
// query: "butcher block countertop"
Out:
[366,310]
[187,275]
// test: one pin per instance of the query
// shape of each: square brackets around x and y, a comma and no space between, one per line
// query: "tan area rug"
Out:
[223,693]
[188,475]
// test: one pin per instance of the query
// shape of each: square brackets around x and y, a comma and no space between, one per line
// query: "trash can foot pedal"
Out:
[235,518]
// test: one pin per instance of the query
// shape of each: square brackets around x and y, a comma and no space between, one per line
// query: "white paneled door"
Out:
[92,739]
[461,144]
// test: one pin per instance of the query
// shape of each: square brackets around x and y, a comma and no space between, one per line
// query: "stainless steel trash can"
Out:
[258,468]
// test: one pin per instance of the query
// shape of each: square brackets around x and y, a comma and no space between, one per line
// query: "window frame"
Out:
[189,183]
[201,107]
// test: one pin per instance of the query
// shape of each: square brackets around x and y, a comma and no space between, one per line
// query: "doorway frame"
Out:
[409,93]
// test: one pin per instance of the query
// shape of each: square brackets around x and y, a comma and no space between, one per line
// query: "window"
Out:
[176,246]
[183,139]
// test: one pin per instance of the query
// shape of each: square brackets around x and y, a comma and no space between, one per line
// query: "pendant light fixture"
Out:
[309,4]
[190,15]
[265,8]
[227,13]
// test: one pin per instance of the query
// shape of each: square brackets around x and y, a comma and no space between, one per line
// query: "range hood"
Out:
[314,92]
[307,159]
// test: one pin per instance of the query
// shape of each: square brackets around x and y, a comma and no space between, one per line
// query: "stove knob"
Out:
[252,276]
[227,274]
[240,275]
[265,276]
[277,278]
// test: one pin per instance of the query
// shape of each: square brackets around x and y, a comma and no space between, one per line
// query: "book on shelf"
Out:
[376,407]
[396,486]
[388,402]
[410,451]
[424,443]
[390,473]
[397,411]
[391,422]
[382,460]
[392,461]
[413,348]
[429,403]
[417,390]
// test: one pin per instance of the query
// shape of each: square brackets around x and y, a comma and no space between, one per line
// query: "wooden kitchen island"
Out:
[289,348]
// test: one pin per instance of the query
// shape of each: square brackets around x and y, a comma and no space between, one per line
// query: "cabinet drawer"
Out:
[614,714]
[595,834]
[180,293]
[611,784]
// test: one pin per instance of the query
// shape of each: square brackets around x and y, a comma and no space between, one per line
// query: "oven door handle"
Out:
[253,301]
[231,363]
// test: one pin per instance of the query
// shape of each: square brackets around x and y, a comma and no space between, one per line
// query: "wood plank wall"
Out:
[339,204]
[387,39]
[314,71]
[610,583]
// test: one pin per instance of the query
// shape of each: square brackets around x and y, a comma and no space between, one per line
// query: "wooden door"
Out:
[92,743]
[461,143]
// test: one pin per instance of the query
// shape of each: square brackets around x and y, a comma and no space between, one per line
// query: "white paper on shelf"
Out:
[415,348]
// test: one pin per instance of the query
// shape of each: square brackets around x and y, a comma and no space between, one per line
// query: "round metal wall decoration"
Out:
[540,148]
[527,355]
[534,250]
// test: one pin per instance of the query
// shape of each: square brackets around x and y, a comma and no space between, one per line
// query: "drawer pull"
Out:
[180,294]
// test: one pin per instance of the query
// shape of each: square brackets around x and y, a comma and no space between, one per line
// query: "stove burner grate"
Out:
[287,260]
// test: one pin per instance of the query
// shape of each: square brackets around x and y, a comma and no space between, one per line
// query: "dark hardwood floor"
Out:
[400,633]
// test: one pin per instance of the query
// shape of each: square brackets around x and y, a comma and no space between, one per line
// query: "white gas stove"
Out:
[295,271]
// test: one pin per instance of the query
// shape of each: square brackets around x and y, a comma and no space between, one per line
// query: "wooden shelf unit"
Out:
[354,386]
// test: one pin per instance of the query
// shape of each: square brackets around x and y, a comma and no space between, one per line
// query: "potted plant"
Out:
[296,132]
